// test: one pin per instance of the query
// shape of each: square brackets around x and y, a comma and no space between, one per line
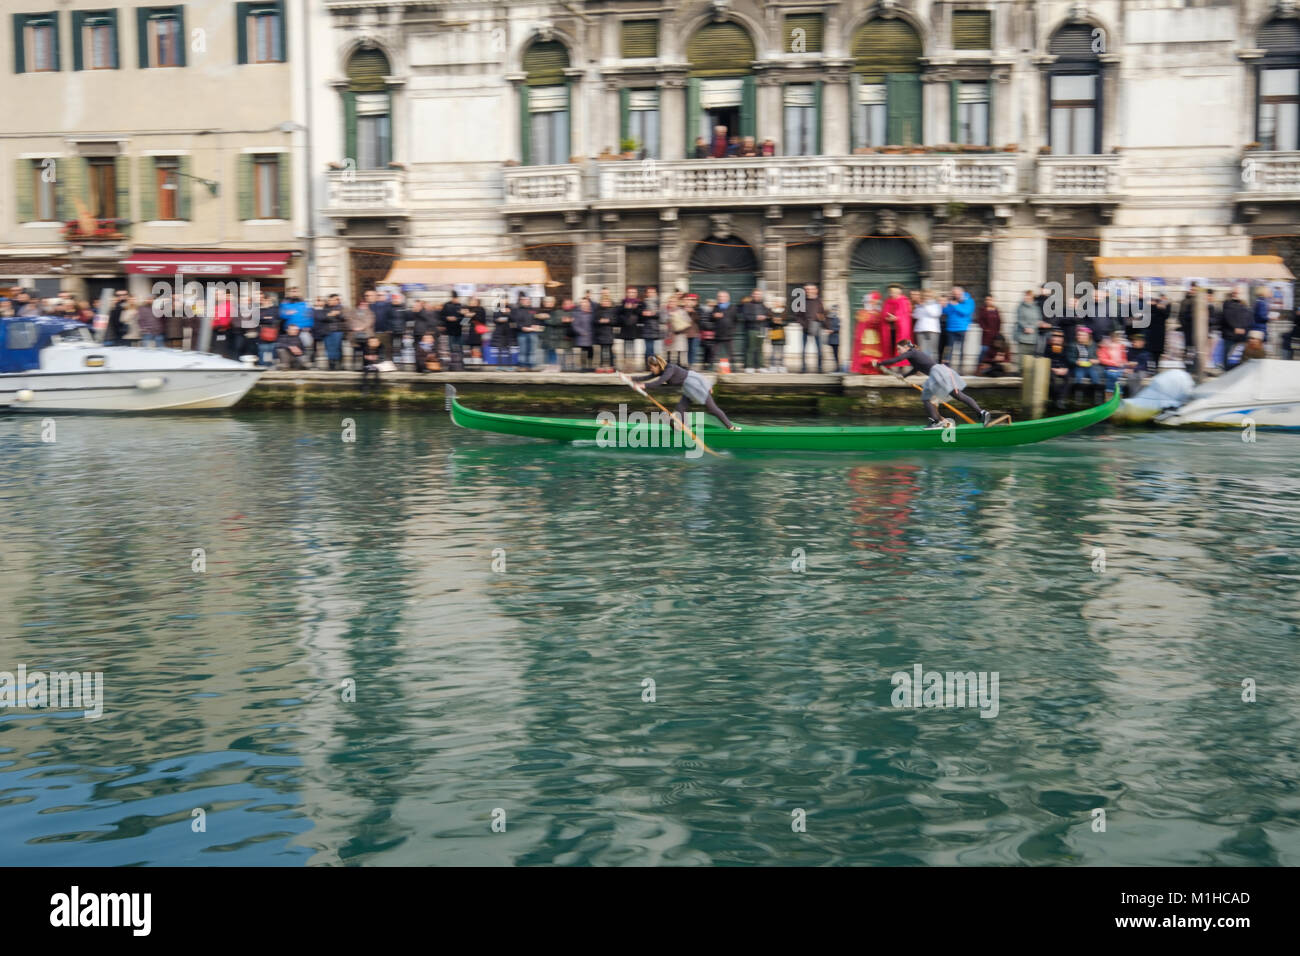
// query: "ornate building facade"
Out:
[994,143]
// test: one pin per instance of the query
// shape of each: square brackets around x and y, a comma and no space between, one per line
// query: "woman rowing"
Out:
[941,384]
[694,388]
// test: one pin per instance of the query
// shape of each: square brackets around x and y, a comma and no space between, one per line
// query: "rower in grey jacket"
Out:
[694,388]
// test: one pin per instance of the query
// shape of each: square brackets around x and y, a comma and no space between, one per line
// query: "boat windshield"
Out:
[73,335]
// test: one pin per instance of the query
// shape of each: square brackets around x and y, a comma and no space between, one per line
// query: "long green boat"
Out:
[641,431]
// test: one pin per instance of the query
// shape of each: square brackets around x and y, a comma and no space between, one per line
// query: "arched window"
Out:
[367,111]
[1277,102]
[1074,90]
[720,99]
[544,104]
[886,84]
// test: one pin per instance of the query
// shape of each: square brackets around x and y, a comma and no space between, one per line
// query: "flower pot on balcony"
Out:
[1011,148]
[863,150]
[1252,146]
[511,162]
[606,156]
[891,150]
[1044,150]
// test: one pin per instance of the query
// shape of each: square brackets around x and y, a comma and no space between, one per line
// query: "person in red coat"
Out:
[990,322]
[871,337]
[897,314]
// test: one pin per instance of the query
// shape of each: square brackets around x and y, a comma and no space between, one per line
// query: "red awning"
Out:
[208,263]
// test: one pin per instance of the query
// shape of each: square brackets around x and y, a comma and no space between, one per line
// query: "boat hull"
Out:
[657,435]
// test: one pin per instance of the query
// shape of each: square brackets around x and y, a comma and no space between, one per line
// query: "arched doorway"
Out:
[877,263]
[722,263]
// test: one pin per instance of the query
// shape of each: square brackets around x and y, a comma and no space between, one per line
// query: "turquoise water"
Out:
[521,689]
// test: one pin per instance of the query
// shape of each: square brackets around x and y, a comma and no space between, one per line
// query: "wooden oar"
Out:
[677,423]
[960,415]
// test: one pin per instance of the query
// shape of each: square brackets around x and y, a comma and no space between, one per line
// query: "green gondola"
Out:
[656,434]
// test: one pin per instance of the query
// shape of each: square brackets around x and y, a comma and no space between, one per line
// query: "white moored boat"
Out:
[1262,392]
[52,365]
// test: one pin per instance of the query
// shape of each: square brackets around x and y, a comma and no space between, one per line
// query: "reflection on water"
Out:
[332,564]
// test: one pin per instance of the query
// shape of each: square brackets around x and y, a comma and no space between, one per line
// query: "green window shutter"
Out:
[720,49]
[70,174]
[180,29]
[748,108]
[903,108]
[568,121]
[284,175]
[817,113]
[58,45]
[639,39]
[545,63]
[954,89]
[142,37]
[692,115]
[112,25]
[366,71]
[972,30]
[241,32]
[886,46]
[245,186]
[122,185]
[525,128]
[148,188]
[78,18]
[350,125]
[812,26]
[25,184]
[624,95]
[991,84]
[283,50]
[20,66]
[184,189]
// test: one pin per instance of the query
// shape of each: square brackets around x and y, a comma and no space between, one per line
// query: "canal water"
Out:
[434,646]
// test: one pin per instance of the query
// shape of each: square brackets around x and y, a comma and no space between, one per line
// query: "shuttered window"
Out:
[803,33]
[160,36]
[886,46]
[259,32]
[720,48]
[36,42]
[94,35]
[640,39]
[366,71]
[545,63]
[972,30]
[1280,36]
[36,182]
[1077,42]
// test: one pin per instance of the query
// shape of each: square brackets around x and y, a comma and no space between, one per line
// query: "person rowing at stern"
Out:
[694,388]
[941,383]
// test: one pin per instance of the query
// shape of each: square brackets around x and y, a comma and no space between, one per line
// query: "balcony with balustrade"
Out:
[1076,180]
[1268,176]
[354,193]
[734,182]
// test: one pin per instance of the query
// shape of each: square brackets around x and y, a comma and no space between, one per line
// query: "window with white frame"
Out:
[873,115]
[1279,109]
[548,125]
[800,120]
[374,131]
[973,114]
[643,122]
[1074,114]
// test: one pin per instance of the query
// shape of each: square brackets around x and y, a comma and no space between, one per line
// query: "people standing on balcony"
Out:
[897,313]
[523,320]
[811,319]
[629,326]
[733,146]
[651,328]
[719,149]
[957,314]
[755,317]
[701,148]
[606,317]
[361,326]
[990,322]
[748,147]
[768,148]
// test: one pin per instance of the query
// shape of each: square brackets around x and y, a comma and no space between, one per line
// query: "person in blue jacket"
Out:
[295,311]
[957,314]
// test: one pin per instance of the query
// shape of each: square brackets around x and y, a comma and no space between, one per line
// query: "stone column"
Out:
[837,130]
[672,266]
[672,119]
[768,124]
[936,94]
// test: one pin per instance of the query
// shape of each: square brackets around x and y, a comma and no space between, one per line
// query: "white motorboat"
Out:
[1261,392]
[53,365]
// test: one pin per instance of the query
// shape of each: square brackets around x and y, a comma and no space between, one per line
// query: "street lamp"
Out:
[213,186]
